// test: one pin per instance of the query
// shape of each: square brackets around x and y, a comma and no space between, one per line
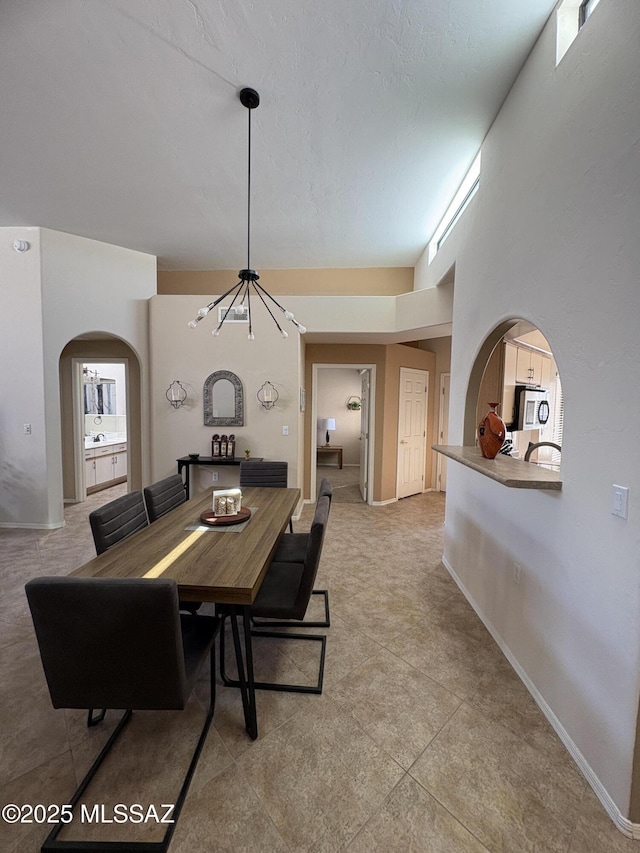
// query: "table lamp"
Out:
[329,424]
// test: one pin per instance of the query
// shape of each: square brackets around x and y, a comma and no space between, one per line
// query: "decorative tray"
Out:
[209,517]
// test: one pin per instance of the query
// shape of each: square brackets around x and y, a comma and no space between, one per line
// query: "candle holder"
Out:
[176,394]
[267,395]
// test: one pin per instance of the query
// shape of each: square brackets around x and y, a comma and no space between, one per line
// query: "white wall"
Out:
[552,237]
[63,287]
[335,386]
[191,355]
[23,458]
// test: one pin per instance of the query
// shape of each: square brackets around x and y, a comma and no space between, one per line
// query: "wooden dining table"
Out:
[224,565]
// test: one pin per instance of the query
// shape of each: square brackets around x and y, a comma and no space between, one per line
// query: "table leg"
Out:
[245,683]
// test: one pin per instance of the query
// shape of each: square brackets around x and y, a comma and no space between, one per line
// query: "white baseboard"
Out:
[626,827]
[384,503]
[27,526]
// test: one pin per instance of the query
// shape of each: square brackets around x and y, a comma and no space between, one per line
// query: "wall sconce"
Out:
[176,394]
[268,395]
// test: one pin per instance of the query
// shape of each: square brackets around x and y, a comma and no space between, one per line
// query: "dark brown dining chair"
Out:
[284,595]
[271,475]
[292,549]
[163,496]
[112,643]
[118,519]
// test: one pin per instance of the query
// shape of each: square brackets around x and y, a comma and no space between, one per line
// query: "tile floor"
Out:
[423,740]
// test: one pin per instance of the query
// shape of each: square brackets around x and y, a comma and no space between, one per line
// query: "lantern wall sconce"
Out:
[176,394]
[267,395]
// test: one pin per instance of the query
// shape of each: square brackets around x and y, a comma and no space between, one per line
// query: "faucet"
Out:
[98,436]
[538,444]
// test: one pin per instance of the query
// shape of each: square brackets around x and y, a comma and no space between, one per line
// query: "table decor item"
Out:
[491,433]
[215,445]
[209,517]
[247,454]
[227,502]
[194,456]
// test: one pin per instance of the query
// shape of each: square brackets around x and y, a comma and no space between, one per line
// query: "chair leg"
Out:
[52,844]
[284,688]
[93,721]
[276,624]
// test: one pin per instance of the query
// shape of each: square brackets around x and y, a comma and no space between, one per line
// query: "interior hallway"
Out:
[424,738]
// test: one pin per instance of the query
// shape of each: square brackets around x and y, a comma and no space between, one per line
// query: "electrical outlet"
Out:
[517,572]
[285,430]
[27,429]
[214,477]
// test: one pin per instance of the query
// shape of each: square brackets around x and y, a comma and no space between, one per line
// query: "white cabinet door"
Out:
[523,366]
[536,368]
[104,468]
[90,472]
[119,465]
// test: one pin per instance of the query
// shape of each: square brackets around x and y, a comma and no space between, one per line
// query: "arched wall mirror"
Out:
[516,368]
[223,399]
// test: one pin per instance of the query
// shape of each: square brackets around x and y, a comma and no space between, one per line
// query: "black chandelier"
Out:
[247,278]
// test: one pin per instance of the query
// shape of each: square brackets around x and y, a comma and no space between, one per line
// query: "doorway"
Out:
[342,409]
[100,401]
[99,348]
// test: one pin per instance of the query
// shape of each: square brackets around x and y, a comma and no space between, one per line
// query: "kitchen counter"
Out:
[513,473]
[89,442]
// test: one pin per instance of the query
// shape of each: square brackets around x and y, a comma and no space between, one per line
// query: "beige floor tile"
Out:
[31,731]
[320,777]
[454,659]
[381,615]
[346,649]
[45,785]
[411,820]
[595,832]
[505,792]
[226,816]
[397,706]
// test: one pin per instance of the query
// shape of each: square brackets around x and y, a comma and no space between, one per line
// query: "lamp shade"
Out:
[328,423]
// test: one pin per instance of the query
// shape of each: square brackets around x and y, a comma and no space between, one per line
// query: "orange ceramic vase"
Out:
[491,433]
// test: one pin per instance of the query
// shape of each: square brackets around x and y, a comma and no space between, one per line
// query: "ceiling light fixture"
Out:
[247,278]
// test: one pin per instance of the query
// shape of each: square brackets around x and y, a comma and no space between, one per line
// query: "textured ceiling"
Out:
[121,121]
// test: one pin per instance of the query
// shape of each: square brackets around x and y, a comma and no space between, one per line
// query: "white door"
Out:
[412,431]
[443,431]
[365,377]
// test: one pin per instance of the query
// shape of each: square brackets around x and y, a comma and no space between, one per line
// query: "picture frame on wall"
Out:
[303,399]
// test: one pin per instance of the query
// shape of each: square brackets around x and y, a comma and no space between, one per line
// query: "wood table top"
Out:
[212,564]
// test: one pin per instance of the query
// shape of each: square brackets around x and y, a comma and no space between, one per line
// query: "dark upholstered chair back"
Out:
[110,643]
[313,554]
[325,490]
[268,474]
[164,496]
[114,521]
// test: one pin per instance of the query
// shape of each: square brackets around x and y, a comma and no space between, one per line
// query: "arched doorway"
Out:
[516,368]
[97,347]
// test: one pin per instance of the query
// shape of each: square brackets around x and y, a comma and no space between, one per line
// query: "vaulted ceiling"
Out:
[121,122]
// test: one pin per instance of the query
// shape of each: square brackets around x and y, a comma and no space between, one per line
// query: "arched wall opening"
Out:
[98,346]
[515,367]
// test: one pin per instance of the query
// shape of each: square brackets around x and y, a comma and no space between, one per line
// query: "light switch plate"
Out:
[619,501]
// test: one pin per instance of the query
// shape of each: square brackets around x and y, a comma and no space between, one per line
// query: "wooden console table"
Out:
[329,448]
[186,462]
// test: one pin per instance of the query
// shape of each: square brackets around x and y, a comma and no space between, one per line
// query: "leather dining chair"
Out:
[118,519]
[163,496]
[292,549]
[284,595]
[272,475]
[113,643]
